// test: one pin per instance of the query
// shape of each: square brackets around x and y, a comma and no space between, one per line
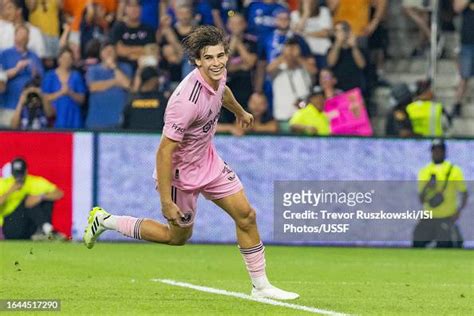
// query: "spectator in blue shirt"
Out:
[21,65]
[261,18]
[271,47]
[204,14]
[108,84]
[3,86]
[65,89]
[216,12]
[150,13]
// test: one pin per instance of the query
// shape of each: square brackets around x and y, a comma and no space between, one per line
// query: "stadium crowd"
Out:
[108,64]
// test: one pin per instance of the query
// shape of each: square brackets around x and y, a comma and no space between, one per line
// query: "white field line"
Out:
[249,298]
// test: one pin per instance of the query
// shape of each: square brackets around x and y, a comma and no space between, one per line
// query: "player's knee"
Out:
[247,220]
[177,242]
[179,239]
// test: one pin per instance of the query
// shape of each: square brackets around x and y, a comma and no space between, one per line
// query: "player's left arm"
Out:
[244,119]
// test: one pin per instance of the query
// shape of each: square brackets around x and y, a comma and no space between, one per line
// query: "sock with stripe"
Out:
[127,225]
[254,258]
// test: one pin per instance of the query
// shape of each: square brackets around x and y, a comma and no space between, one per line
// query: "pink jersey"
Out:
[191,117]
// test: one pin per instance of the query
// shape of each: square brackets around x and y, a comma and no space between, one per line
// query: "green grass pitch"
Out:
[114,279]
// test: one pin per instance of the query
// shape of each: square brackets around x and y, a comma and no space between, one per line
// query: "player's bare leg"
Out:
[251,247]
[146,229]
[170,234]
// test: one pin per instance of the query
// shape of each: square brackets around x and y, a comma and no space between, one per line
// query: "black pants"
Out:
[24,222]
[442,230]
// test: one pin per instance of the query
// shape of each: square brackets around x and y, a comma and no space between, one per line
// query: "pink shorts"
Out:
[226,184]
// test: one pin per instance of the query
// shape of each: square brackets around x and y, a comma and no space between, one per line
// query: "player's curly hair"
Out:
[202,36]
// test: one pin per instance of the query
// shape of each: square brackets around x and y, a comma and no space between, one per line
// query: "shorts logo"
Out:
[207,127]
[186,219]
[229,172]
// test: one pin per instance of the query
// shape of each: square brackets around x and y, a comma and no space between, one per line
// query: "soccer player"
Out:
[187,164]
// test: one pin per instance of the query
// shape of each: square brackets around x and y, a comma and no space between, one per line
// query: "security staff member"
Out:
[425,115]
[26,204]
[439,184]
[311,120]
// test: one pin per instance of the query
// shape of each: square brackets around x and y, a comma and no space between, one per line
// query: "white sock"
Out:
[261,282]
[111,222]
[47,228]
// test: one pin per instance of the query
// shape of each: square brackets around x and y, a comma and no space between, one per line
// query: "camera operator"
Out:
[33,111]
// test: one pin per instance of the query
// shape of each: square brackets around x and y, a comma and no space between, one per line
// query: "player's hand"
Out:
[236,130]
[245,120]
[172,212]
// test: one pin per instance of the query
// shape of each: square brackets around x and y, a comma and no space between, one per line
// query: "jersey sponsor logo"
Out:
[207,127]
[178,128]
[196,92]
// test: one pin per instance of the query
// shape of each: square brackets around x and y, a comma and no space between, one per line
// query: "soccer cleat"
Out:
[273,293]
[95,226]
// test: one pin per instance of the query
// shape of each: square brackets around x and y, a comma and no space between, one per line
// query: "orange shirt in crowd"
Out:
[76,7]
[355,12]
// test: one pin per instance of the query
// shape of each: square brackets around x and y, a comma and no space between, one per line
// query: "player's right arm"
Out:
[164,157]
